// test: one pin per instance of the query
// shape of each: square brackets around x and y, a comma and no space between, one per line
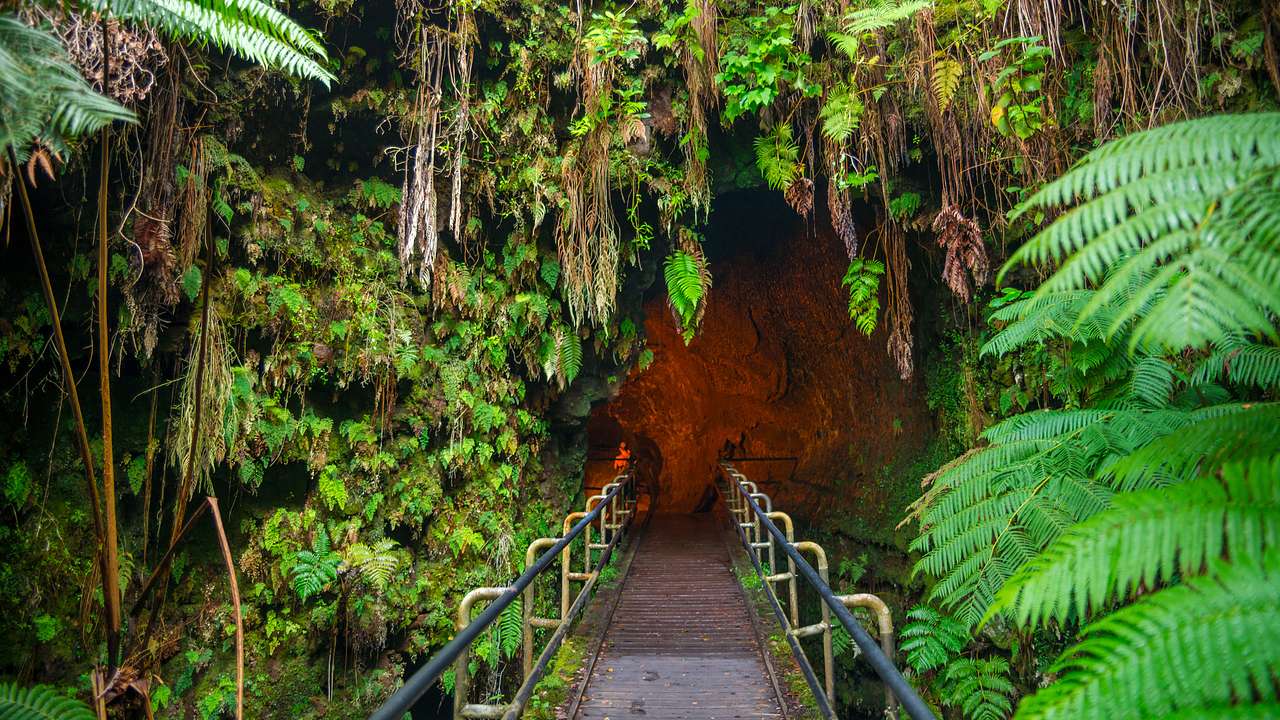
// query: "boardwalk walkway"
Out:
[681,644]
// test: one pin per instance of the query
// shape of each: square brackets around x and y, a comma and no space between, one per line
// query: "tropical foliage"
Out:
[1165,472]
[424,270]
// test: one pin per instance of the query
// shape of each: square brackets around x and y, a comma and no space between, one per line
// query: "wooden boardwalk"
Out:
[681,643]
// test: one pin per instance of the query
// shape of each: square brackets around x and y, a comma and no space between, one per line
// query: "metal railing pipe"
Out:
[907,696]
[806,669]
[417,684]
[828,653]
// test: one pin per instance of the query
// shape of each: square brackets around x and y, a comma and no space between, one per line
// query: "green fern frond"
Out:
[685,275]
[39,702]
[880,16]
[931,639]
[568,356]
[979,687]
[778,157]
[1211,642]
[841,114]
[510,628]
[1176,228]
[1241,363]
[43,98]
[863,280]
[1144,539]
[251,29]
[1204,440]
[1245,139]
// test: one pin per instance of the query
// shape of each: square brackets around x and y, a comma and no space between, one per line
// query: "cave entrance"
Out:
[777,371]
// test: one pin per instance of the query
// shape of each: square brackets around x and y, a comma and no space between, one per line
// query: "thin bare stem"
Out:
[235,603]
[68,375]
[111,578]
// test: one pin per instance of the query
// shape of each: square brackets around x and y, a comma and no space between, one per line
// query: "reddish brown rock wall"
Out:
[777,370]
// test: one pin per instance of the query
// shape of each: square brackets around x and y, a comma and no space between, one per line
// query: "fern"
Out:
[376,564]
[1209,643]
[313,569]
[841,114]
[1186,213]
[509,629]
[884,14]
[778,157]
[1241,363]
[994,509]
[863,280]
[43,99]
[684,275]
[1205,440]
[931,639]
[40,702]
[945,82]
[980,688]
[1145,539]
[562,356]
[251,29]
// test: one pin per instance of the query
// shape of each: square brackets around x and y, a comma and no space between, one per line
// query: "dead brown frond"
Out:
[136,54]
[799,195]
[966,253]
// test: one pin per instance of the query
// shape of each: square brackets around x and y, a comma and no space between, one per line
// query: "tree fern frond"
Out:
[1144,539]
[39,702]
[1152,382]
[930,638]
[1250,139]
[251,29]
[1194,225]
[1175,651]
[1206,439]
[1242,364]
[979,687]
[43,98]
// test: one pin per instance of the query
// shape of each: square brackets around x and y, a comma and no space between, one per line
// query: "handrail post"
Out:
[884,624]
[586,554]
[566,569]
[793,592]
[828,656]
[768,508]
[461,676]
[528,621]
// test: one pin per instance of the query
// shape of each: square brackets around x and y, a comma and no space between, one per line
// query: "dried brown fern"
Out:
[966,254]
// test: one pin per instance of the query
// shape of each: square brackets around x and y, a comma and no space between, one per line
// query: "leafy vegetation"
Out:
[420,277]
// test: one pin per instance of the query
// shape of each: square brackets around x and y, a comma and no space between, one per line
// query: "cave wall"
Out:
[777,370]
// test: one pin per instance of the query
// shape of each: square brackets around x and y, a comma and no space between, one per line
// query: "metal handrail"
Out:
[456,652]
[744,506]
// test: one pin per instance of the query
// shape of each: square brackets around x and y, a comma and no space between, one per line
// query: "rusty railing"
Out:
[756,522]
[610,512]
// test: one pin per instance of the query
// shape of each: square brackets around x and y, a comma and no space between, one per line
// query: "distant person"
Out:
[624,457]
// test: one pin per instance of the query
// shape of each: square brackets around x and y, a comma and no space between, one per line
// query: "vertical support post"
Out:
[884,624]
[828,657]
[790,529]
[461,677]
[530,598]
[566,557]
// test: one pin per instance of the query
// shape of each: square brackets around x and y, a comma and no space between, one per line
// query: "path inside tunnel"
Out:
[777,371]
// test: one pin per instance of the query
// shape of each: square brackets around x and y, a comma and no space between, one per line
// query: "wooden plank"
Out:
[681,643]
